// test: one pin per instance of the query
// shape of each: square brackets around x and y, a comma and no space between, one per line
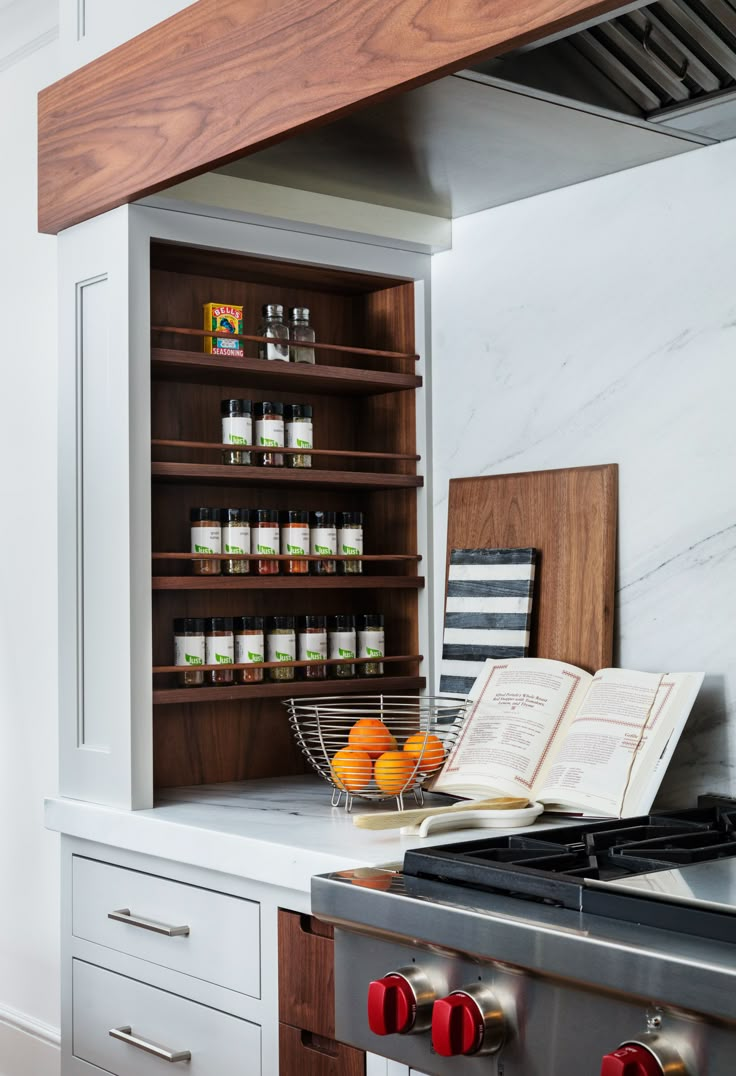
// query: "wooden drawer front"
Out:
[220,1045]
[302,1053]
[223,943]
[306,973]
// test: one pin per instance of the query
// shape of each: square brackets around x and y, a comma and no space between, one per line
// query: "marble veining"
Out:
[597,324]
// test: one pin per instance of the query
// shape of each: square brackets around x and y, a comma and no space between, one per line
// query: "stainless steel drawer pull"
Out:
[125,1034]
[122,915]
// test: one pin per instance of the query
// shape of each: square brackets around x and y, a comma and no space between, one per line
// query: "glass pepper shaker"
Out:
[299,433]
[265,539]
[237,429]
[220,649]
[300,332]
[295,540]
[235,539]
[249,648]
[313,646]
[189,649]
[206,537]
[272,326]
[270,432]
[281,646]
[371,643]
[350,542]
[342,644]
[323,542]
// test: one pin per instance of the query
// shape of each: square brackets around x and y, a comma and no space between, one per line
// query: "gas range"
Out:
[603,947]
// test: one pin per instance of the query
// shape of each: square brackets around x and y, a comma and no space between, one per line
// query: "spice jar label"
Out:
[342,644]
[236,539]
[237,430]
[299,434]
[267,541]
[282,646]
[372,644]
[323,541]
[206,540]
[313,646]
[220,650]
[270,432]
[350,541]
[249,648]
[295,541]
[189,650]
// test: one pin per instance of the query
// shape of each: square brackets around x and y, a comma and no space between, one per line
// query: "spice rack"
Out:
[363,392]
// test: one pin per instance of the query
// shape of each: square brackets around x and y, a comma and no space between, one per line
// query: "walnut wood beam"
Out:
[223,78]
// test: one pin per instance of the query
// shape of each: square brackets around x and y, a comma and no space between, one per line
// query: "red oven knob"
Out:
[631,1060]
[468,1021]
[400,1002]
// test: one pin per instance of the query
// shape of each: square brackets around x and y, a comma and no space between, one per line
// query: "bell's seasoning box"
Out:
[228,320]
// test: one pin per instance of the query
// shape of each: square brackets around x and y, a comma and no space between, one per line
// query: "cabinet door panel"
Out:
[306,973]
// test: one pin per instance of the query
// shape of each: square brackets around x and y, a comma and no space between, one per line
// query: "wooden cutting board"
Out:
[569,517]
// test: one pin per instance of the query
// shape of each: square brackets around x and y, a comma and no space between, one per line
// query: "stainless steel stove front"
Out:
[553,1026]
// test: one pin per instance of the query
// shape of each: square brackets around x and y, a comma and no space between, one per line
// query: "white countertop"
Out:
[279,831]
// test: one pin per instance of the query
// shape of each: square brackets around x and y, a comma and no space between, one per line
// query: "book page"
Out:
[595,763]
[520,709]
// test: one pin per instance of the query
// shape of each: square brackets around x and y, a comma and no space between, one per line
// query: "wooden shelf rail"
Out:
[225,474]
[159,442]
[160,670]
[344,348]
[287,582]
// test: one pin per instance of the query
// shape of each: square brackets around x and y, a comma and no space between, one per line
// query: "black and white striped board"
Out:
[488,612]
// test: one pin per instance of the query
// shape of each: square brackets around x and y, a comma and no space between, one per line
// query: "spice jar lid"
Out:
[322,519]
[268,407]
[317,620]
[342,622]
[207,515]
[293,515]
[272,310]
[369,620]
[351,519]
[190,624]
[220,623]
[235,407]
[295,411]
[264,515]
[299,313]
[281,623]
[248,623]
[235,515]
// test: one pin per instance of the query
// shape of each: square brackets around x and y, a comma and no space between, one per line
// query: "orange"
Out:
[394,772]
[431,754]
[371,735]
[351,769]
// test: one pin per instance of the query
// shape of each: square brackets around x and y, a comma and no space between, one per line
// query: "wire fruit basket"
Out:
[376,747]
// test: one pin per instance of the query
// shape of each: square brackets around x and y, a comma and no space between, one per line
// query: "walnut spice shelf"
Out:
[287,582]
[192,366]
[221,446]
[379,685]
[223,474]
[161,670]
[349,349]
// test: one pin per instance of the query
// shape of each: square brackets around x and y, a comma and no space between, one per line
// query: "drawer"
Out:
[306,973]
[302,1053]
[222,945]
[219,1045]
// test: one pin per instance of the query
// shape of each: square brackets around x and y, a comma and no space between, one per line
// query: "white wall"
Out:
[29,902]
[597,324]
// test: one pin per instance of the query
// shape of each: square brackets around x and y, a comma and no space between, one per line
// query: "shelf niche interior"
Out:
[230,739]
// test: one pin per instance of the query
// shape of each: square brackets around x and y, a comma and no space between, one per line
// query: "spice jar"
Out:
[342,643]
[237,429]
[300,331]
[323,542]
[265,539]
[249,648]
[206,538]
[235,539]
[371,643]
[299,433]
[272,326]
[270,432]
[189,649]
[281,646]
[313,646]
[295,541]
[350,542]
[220,649]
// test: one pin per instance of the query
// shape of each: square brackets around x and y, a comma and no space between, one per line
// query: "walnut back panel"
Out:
[569,517]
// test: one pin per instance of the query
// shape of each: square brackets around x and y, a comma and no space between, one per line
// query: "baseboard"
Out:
[28,1047]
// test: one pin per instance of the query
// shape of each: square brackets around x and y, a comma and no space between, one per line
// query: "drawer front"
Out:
[302,1053]
[219,1045]
[306,973]
[222,945]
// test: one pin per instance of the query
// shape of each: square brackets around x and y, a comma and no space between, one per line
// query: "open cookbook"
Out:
[597,745]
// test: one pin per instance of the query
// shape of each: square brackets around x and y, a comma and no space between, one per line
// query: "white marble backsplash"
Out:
[597,324]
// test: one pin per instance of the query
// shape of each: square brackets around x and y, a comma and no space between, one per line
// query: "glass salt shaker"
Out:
[272,326]
[300,332]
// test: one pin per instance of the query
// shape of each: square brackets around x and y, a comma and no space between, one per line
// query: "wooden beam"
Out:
[223,78]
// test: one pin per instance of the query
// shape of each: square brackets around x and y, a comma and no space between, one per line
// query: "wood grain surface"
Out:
[569,517]
[223,78]
[306,973]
